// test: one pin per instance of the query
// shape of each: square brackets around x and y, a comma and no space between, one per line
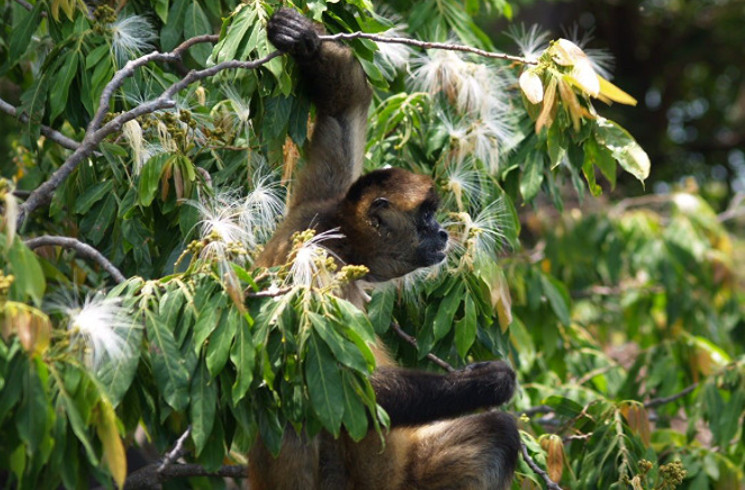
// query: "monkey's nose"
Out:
[443,235]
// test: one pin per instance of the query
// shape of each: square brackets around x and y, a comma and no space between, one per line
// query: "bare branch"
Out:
[82,249]
[656,402]
[149,477]
[176,452]
[270,293]
[429,45]
[408,338]
[50,133]
[550,484]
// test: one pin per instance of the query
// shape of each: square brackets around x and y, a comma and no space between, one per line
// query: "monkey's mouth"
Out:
[433,255]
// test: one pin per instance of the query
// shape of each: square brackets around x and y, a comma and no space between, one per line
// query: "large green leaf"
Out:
[324,384]
[623,147]
[203,406]
[29,278]
[196,24]
[171,376]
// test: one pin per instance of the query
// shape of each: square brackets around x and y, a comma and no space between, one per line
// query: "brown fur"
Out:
[381,217]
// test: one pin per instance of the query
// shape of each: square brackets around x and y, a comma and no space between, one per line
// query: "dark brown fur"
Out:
[387,219]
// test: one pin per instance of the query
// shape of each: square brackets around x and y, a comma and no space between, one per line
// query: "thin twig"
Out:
[176,452]
[536,410]
[550,484]
[429,45]
[82,249]
[408,338]
[269,293]
[655,402]
[50,133]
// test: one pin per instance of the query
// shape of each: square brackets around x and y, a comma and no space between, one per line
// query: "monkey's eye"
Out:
[380,203]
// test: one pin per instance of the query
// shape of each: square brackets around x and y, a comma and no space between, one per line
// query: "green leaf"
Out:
[161,9]
[207,321]
[150,178]
[343,350]
[237,27]
[324,385]
[557,297]
[116,375]
[564,406]
[446,311]
[465,328]
[532,176]
[96,223]
[95,56]
[22,31]
[243,357]
[92,195]
[355,416]
[218,348]
[29,277]
[172,31]
[78,425]
[600,157]
[380,308]
[60,90]
[557,144]
[203,407]
[32,419]
[171,376]
[196,24]
[623,147]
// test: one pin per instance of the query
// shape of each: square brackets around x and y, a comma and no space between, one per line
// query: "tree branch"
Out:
[149,477]
[655,402]
[82,249]
[429,45]
[408,338]
[50,133]
[176,452]
[550,484]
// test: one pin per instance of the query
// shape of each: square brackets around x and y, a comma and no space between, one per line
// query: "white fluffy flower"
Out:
[99,329]
[131,36]
[307,267]
[531,42]
[485,234]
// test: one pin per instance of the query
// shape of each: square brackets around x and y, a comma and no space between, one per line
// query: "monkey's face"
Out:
[395,231]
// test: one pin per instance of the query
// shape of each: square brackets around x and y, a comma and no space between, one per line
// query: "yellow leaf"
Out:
[571,103]
[68,6]
[549,99]
[55,10]
[113,449]
[30,325]
[614,93]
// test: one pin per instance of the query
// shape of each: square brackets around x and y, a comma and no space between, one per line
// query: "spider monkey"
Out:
[387,218]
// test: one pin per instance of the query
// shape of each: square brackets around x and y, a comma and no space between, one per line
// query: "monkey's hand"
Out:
[493,382]
[292,33]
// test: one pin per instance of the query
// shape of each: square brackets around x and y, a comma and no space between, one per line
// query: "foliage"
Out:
[180,199]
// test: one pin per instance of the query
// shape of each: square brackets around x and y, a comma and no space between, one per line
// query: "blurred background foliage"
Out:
[621,310]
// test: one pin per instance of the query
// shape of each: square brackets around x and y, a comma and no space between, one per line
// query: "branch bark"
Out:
[50,133]
[82,249]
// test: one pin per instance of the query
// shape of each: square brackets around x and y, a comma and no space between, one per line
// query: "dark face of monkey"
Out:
[390,214]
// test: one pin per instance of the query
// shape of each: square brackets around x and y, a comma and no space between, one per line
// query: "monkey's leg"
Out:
[295,468]
[477,452]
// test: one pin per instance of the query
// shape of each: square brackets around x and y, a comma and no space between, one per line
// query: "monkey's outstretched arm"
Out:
[338,87]
[417,397]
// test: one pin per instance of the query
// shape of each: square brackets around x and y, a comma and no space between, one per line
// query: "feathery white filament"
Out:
[131,36]
[99,328]
[308,262]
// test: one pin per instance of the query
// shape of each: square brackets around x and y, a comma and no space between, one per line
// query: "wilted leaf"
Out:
[113,449]
[554,447]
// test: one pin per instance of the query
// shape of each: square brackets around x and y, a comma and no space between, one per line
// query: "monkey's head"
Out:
[388,217]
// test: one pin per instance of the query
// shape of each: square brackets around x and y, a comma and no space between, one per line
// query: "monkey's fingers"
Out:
[292,33]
